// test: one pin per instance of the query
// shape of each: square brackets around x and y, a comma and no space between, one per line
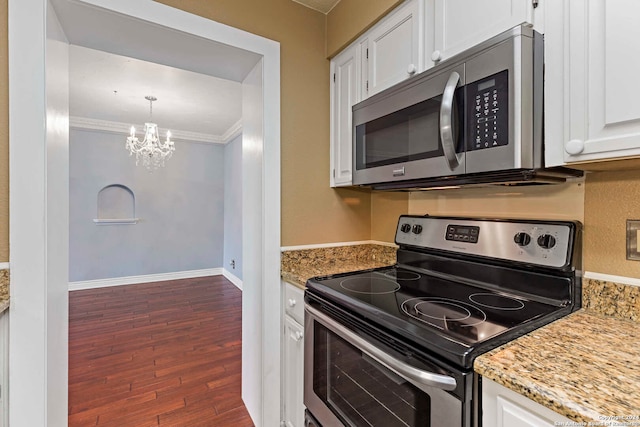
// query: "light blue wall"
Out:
[181,209]
[233,206]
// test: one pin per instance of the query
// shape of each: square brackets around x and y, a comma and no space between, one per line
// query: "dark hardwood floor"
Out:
[166,353]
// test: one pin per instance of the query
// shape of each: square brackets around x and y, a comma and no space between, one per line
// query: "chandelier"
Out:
[151,151]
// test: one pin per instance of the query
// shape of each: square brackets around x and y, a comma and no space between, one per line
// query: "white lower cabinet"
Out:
[502,407]
[4,368]
[293,357]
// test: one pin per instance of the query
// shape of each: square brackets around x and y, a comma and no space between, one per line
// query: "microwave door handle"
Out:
[416,376]
[446,121]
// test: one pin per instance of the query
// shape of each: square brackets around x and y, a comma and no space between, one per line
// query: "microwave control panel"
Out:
[488,112]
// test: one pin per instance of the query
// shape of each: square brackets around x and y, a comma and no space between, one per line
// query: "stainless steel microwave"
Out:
[475,118]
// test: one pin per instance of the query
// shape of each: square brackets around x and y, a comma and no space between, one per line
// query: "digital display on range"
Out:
[488,112]
[463,233]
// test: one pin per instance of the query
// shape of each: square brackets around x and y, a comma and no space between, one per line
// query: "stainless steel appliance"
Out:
[395,346]
[476,118]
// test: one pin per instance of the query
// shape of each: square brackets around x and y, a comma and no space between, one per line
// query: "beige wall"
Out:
[311,211]
[564,202]
[385,210]
[610,199]
[350,18]
[4,137]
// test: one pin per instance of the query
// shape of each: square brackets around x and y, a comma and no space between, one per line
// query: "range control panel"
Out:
[463,233]
[542,243]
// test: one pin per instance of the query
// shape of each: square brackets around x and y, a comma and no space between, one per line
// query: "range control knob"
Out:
[522,239]
[405,228]
[417,229]
[546,241]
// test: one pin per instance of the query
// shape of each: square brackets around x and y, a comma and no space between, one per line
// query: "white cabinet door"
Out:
[502,407]
[592,67]
[4,368]
[345,76]
[394,47]
[461,24]
[292,373]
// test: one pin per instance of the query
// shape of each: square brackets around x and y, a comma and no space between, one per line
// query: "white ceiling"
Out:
[110,87]
[197,81]
[323,6]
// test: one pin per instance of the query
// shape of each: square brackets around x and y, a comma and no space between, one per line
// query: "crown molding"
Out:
[234,131]
[84,123]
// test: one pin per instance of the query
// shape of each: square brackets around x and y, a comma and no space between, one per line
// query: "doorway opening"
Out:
[38,66]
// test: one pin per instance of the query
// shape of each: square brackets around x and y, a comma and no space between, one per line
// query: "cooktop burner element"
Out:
[457,298]
[401,275]
[370,285]
[498,302]
[446,314]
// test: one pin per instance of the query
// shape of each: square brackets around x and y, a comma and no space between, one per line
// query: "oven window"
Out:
[412,133]
[359,390]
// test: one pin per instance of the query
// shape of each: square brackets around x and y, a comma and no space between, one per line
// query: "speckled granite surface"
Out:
[299,265]
[611,299]
[583,366]
[4,290]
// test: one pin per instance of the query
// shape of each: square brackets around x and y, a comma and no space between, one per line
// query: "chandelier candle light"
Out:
[151,150]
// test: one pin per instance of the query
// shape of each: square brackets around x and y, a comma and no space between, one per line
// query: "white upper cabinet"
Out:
[592,66]
[461,24]
[394,48]
[345,84]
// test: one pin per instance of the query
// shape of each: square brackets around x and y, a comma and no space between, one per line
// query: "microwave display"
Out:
[488,112]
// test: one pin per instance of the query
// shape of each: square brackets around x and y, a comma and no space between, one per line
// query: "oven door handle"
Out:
[446,121]
[416,376]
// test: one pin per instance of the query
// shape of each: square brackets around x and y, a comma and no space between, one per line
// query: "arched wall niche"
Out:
[116,204]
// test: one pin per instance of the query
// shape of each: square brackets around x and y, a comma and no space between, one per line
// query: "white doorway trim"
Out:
[39,212]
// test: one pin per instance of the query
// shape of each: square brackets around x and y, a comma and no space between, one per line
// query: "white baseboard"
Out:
[632,281]
[232,278]
[147,278]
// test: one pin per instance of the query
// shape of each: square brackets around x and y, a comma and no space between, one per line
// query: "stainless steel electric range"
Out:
[395,346]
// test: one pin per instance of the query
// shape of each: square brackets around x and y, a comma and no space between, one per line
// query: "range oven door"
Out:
[352,379]
[412,131]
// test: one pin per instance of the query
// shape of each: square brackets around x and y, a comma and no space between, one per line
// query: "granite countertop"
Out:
[4,290]
[299,265]
[583,366]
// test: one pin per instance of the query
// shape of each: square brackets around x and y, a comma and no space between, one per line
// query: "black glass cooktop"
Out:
[452,316]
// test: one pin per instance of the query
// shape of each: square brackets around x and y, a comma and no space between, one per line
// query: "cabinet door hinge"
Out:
[334,173]
[367,86]
[334,77]
[367,53]
[535,3]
